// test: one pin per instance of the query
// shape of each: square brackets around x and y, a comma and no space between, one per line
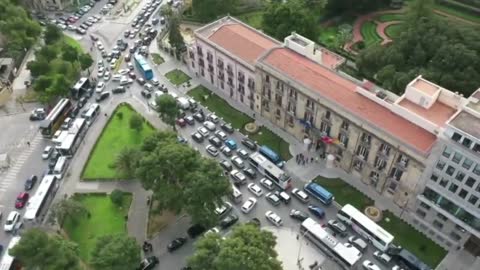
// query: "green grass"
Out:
[328,36]
[157,58]
[266,137]
[116,135]
[457,13]
[105,218]
[344,193]
[254,19]
[219,106]
[393,31]
[72,42]
[369,33]
[391,17]
[414,241]
[177,77]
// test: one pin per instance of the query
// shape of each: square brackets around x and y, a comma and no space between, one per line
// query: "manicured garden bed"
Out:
[369,33]
[328,36]
[390,17]
[266,137]
[116,135]
[177,77]
[157,58]
[344,193]
[393,31]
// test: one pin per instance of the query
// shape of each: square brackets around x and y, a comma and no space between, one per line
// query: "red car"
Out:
[132,75]
[181,122]
[22,199]
[72,19]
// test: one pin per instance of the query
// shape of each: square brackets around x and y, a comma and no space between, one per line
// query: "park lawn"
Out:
[328,36]
[369,34]
[177,77]
[72,42]
[157,58]
[393,31]
[457,13]
[116,135]
[344,193]
[416,242]
[266,137]
[254,19]
[220,107]
[105,218]
[391,17]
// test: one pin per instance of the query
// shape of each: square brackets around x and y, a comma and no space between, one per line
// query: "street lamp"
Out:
[299,260]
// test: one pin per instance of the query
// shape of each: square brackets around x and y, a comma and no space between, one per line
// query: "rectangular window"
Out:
[460,175]
[440,165]
[470,182]
[424,205]
[473,199]
[327,115]
[443,182]
[362,152]
[453,188]
[345,125]
[450,170]
[467,142]
[476,170]
[457,157]
[476,148]
[467,163]
[463,193]
[420,213]
[456,137]
[455,236]
[437,224]
[385,149]
[434,177]
[442,217]
[447,152]
[343,139]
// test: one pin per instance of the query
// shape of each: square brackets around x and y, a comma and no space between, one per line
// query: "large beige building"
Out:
[389,141]
[48,4]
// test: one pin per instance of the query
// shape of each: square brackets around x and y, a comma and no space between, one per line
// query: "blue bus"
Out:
[319,193]
[143,67]
[271,155]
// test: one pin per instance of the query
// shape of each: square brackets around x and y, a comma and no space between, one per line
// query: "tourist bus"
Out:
[91,113]
[75,134]
[344,254]
[271,155]
[38,201]
[143,67]
[270,170]
[366,227]
[55,118]
[8,262]
[319,193]
[80,87]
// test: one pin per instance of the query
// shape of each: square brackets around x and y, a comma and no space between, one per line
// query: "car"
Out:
[221,135]
[248,205]
[298,215]
[226,165]
[242,153]
[338,227]
[316,211]
[358,242]
[132,75]
[238,162]
[273,198]
[155,82]
[176,243]
[103,95]
[66,123]
[250,173]
[396,267]
[368,265]
[274,218]
[148,263]
[203,131]
[197,137]
[100,72]
[283,196]
[249,144]
[238,177]
[255,189]
[11,221]
[126,33]
[301,195]
[267,183]
[227,128]
[209,125]
[74,112]
[189,119]
[30,182]
[382,257]
[145,94]
[231,144]
[215,141]
[21,200]
[38,114]
[228,221]
[47,152]
[119,90]
[195,230]
[212,150]
[224,209]
[226,151]
[100,87]
[213,118]
[82,101]
[199,117]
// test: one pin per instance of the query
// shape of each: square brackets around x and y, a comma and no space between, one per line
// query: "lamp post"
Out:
[300,238]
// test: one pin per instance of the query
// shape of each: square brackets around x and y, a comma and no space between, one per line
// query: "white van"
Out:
[92,113]
[60,166]
[183,103]
[117,77]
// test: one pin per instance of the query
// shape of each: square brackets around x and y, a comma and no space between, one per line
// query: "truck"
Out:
[183,103]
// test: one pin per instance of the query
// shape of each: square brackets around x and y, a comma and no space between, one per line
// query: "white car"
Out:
[123,71]
[209,125]
[203,131]
[106,76]
[267,183]
[301,195]
[258,191]
[100,87]
[221,135]
[100,63]
[212,230]
[212,150]
[274,218]
[238,162]
[113,63]
[223,209]
[212,117]
[248,205]
[100,72]
[242,153]
[11,221]
[47,152]
[238,177]
[370,266]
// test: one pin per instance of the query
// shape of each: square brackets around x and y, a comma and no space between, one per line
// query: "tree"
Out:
[119,252]
[69,53]
[136,122]
[86,60]
[168,109]
[282,18]
[38,67]
[166,11]
[39,250]
[246,248]
[67,209]
[42,83]
[338,7]
[175,37]
[208,10]
[181,180]
[344,35]
[116,196]
[127,160]
[52,34]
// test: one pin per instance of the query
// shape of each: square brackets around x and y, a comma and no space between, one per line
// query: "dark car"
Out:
[145,94]
[148,263]
[298,215]
[74,112]
[316,211]
[30,182]
[104,95]
[200,117]
[141,81]
[118,90]
[249,144]
[338,227]
[181,122]
[228,221]
[189,119]
[226,165]
[195,230]
[250,173]
[176,244]
[215,141]
[197,137]
[227,127]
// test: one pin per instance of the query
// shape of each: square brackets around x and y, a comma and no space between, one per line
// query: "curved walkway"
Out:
[381,26]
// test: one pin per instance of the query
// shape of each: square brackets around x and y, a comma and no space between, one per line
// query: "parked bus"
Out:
[60,167]
[55,118]
[236,195]
[410,261]
[271,155]
[80,87]
[364,226]
[319,193]
[91,113]
[344,254]
[270,170]
[38,201]
[143,67]
[74,136]
[8,262]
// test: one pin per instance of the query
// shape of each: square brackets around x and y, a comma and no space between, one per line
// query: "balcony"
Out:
[201,63]
[209,58]
[221,76]
[192,55]
[199,51]
[220,64]
[210,68]
[230,82]
[230,71]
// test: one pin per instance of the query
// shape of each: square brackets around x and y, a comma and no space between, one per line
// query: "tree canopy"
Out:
[181,179]
[168,109]
[336,7]
[119,252]
[209,10]
[246,248]
[67,209]
[175,37]
[39,250]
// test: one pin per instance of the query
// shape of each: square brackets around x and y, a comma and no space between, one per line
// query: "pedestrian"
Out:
[105,114]
[311,160]
[28,143]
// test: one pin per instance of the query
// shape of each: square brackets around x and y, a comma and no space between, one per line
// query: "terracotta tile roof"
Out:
[342,91]
[241,41]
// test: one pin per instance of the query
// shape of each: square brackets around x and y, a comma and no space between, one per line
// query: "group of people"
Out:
[147,247]
[302,159]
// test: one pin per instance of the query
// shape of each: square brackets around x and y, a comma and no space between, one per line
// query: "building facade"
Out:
[48,4]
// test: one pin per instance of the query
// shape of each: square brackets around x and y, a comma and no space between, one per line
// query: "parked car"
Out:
[273,198]
[197,137]
[226,151]
[195,230]
[338,227]
[238,162]
[30,182]
[21,200]
[226,165]
[148,263]
[203,131]
[213,118]
[215,141]
[199,117]
[11,221]
[212,150]
[301,195]
[298,215]
[267,183]
[176,244]
[382,257]
[227,128]
[38,114]
[221,135]
[316,211]
[189,119]
[248,205]
[250,173]
[209,125]
[358,242]
[145,94]
[274,218]
[255,189]
[224,209]
[238,177]
[242,153]
[228,221]
[368,265]
[103,95]
[249,144]
[283,196]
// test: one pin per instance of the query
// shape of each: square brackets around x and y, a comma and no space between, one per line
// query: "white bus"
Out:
[366,227]
[75,135]
[8,262]
[270,170]
[344,254]
[91,113]
[60,167]
[37,201]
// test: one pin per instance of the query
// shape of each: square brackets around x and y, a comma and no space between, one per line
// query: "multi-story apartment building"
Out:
[388,141]
[48,4]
